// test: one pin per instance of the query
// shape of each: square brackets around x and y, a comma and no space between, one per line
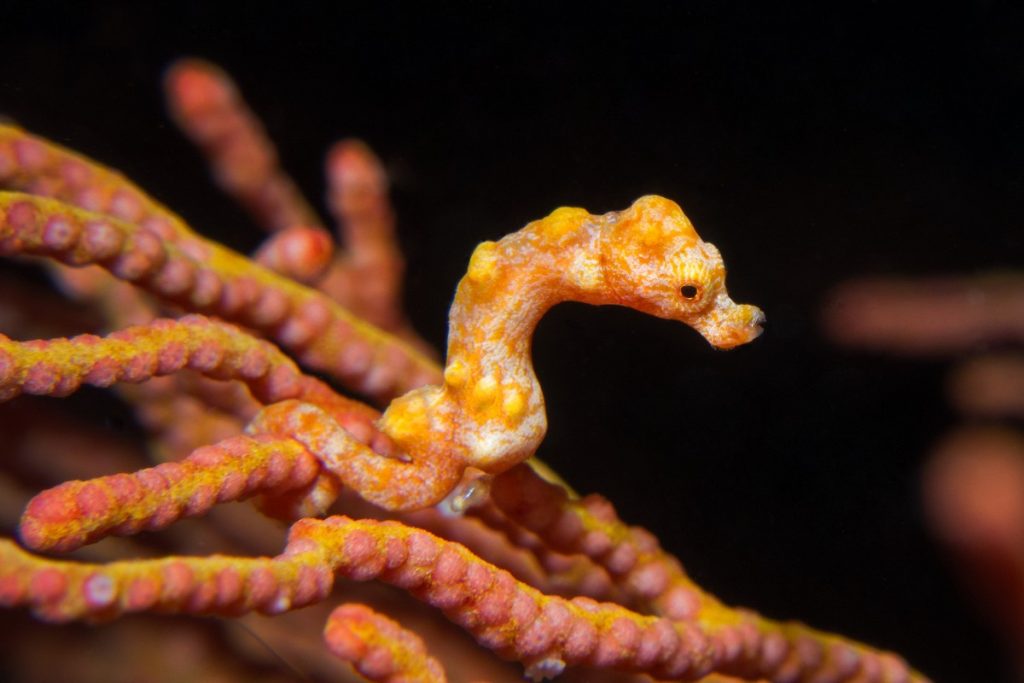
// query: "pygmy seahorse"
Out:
[489,412]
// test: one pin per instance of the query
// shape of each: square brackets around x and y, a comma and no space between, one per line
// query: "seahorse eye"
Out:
[689,292]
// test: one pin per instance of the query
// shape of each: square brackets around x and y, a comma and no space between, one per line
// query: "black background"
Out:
[811,145]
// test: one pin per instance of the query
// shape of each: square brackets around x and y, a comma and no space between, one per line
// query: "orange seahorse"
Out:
[489,412]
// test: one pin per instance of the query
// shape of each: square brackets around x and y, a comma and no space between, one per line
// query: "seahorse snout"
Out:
[729,324]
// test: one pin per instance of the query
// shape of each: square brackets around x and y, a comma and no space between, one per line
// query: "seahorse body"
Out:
[489,412]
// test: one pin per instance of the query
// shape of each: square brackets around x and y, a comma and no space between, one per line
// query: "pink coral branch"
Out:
[974,495]
[298,252]
[205,103]
[379,648]
[651,578]
[940,315]
[563,573]
[366,278]
[221,282]
[58,367]
[990,386]
[369,275]
[41,168]
[632,556]
[546,633]
[76,513]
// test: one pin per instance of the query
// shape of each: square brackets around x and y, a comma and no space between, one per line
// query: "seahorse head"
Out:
[654,261]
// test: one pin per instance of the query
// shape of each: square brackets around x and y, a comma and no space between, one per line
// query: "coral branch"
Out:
[990,386]
[546,633]
[379,648]
[80,512]
[58,367]
[930,316]
[64,591]
[205,103]
[297,252]
[650,578]
[42,168]
[653,579]
[560,573]
[369,276]
[219,281]
[974,494]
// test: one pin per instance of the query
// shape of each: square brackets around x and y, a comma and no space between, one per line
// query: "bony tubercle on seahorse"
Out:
[489,412]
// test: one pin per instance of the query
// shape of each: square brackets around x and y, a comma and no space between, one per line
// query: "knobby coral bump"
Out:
[192,329]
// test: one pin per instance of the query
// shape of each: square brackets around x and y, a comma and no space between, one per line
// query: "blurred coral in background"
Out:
[973,482]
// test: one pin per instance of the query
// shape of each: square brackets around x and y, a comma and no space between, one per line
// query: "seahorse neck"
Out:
[495,325]
[508,288]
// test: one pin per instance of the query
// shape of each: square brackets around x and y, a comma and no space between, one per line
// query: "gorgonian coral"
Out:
[215,350]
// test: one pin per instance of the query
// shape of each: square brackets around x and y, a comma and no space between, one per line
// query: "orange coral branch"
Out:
[42,168]
[58,367]
[989,386]
[297,252]
[653,579]
[205,103]
[81,512]
[515,620]
[928,316]
[368,277]
[650,578]
[218,281]
[974,494]
[379,648]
